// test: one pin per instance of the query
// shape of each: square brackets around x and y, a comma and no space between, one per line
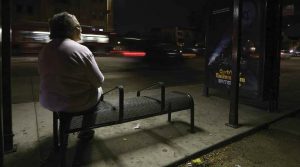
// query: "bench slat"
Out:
[135,107]
[140,106]
[104,113]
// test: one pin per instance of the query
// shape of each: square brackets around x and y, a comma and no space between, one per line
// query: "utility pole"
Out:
[1,116]
[109,15]
[6,76]
[236,55]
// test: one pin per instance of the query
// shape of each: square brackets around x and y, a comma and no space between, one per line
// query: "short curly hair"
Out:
[62,25]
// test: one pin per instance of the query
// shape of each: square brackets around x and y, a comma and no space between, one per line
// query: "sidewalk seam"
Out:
[36,119]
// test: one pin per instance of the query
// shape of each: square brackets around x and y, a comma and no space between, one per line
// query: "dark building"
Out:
[96,13]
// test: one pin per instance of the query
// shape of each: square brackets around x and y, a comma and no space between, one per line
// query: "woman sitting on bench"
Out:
[70,78]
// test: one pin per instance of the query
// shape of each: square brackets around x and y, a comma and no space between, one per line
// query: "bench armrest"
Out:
[121,99]
[158,84]
[120,87]
[162,88]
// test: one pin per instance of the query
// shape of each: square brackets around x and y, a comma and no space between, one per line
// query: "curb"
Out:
[232,139]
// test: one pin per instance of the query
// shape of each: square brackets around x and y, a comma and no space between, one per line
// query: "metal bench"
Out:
[130,109]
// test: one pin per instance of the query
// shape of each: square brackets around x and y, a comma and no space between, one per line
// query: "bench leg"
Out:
[63,126]
[192,119]
[169,113]
[63,150]
[55,131]
[205,91]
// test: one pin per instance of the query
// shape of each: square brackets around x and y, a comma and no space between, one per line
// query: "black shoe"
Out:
[86,134]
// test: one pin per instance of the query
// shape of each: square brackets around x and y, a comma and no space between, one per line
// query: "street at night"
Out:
[117,71]
[139,83]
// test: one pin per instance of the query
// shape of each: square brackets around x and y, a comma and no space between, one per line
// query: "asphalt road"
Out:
[132,73]
[135,73]
[27,65]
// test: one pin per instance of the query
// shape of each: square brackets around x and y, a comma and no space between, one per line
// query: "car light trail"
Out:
[130,53]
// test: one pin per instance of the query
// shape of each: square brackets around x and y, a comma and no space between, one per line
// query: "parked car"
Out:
[189,52]
[285,54]
[198,48]
[296,52]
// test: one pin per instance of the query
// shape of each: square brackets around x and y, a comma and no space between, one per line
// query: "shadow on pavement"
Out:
[107,151]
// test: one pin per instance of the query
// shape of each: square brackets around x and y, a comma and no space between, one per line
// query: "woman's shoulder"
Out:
[77,47]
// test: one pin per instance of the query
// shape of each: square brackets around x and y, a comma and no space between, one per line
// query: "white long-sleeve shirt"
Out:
[70,80]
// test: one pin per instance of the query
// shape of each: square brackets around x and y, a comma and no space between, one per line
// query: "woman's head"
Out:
[64,25]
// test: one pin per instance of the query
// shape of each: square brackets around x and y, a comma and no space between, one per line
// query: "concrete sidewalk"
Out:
[155,143]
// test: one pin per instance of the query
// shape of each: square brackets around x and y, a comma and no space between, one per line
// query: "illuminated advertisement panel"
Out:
[219,47]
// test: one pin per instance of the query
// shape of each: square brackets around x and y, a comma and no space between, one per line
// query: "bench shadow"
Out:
[108,150]
[49,157]
[40,154]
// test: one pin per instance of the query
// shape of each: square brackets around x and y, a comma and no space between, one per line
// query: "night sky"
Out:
[141,15]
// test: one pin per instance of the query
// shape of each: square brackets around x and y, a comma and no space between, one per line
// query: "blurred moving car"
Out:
[30,38]
[97,43]
[29,42]
[95,39]
[164,52]
[129,47]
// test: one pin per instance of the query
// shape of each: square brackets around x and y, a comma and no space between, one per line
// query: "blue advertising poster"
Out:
[219,47]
